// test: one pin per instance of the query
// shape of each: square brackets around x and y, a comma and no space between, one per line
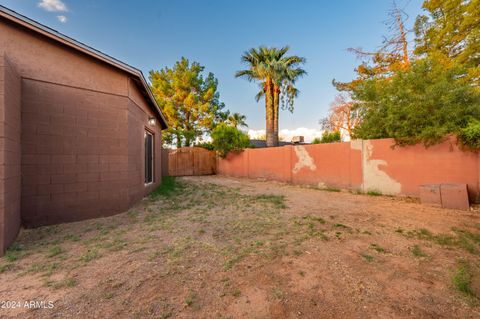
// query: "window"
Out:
[148,157]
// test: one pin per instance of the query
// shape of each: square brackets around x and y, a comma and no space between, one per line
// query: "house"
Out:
[262,143]
[80,132]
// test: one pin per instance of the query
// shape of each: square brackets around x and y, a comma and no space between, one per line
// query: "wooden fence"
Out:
[188,161]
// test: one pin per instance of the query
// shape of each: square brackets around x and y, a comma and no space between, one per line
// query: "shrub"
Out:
[226,139]
[330,137]
[424,103]
[470,135]
[206,145]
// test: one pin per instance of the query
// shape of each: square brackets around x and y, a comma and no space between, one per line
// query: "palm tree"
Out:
[288,73]
[237,119]
[260,69]
[277,74]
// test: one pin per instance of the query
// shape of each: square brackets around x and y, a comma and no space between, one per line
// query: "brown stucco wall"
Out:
[37,57]
[74,154]
[138,115]
[10,91]
[82,133]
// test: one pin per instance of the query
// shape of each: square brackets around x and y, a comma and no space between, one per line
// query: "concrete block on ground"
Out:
[454,196]
[430,195]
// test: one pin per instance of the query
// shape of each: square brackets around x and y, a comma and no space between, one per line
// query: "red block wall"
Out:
[335,165]
[412,166]
[362,164]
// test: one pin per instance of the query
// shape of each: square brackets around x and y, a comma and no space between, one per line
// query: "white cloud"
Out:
[62,19]
[255,134]
[53,5]
[286,134]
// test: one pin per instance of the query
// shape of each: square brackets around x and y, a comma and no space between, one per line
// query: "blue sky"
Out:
[154,34]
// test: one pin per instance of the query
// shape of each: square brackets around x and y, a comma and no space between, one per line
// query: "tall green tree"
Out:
[435,91]
[451,29]
[277,73]
[391,56]
[189,100]
[422,104]
[284,90]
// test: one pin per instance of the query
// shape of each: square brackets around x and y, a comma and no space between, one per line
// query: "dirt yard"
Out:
[215,247]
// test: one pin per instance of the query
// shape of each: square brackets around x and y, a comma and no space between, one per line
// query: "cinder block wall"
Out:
[80,151]
[138,116]
[74,153]
[362,164]
[10,125]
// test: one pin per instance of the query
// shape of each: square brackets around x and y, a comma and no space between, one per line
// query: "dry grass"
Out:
[194,248]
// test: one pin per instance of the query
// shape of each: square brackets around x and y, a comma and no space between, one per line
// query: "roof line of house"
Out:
[66,40]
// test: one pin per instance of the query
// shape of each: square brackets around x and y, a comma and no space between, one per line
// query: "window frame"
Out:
[152,157]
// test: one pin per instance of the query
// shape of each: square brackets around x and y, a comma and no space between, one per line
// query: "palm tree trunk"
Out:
[276,108]
[269,113]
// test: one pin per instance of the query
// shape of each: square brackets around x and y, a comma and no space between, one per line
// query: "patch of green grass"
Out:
[151,217]
[367,257]
[236,292]
[66,283]
[259,243]
[341,226]
[315,218]
[278,294]
[378,249]
[168,187]
[301,273]
[373,193]
[332,189]
[366,232]
[133,214]
[468,240]
[70,283]
[108,295]
[466,244]
[90,255]
[190,299]
[297,252]
[417,252]
[462,279]
[117,243]
[48,268]
[308,220]
[461,238]
[5,267]
[72,237]
[54,251]
[154,255]
[238,257]
[15,252]
[277,200]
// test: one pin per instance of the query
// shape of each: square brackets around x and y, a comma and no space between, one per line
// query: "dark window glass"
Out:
[148,157]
